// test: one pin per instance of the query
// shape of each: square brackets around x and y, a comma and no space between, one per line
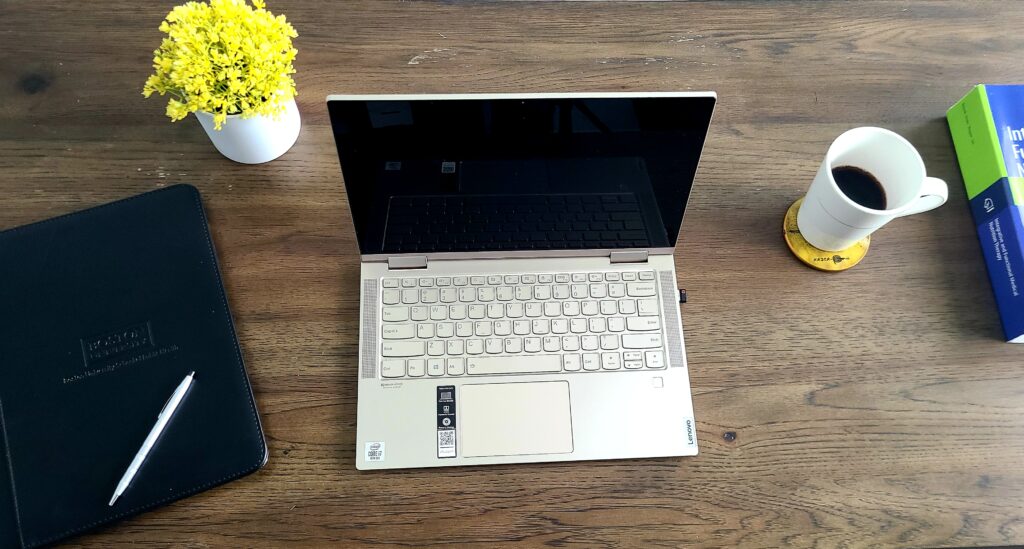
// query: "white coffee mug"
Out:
[830,220]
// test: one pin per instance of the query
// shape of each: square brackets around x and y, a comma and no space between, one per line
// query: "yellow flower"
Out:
[224,57]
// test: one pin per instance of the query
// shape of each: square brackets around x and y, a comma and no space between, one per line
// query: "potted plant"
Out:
[231,64]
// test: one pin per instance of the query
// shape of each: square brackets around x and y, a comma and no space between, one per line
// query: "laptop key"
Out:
[417,367]
[610,361]
[449,295]
[494,346]
[640,289]
[403,348]
[571,363]
[643,323]
[535,364]
[503,327]
[474,347]
[391,297]
[647,307]
[477,311]
[428,295]
[396,314]
[641,341]
[570,343]
[655,359]
[398,331]
[392,368]
[435,367]
[532,345]
[609,342]
[456,367]
[552,344]
[513,345]
[455,347]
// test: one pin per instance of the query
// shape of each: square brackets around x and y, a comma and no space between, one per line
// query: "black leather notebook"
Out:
[103,313]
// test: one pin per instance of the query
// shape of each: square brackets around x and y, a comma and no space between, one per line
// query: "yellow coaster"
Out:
[820,259]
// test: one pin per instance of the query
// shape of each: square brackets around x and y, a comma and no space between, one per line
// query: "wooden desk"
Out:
[874,407]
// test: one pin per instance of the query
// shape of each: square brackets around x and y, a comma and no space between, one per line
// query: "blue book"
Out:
[988,132]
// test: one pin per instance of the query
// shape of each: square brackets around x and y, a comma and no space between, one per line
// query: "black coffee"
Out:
[860,186]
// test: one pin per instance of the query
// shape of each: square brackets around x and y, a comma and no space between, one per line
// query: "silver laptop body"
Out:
[518,298]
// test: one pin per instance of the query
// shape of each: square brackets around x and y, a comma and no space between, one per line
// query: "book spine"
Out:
[995,197]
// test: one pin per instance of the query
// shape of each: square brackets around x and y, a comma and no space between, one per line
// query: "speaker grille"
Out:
[368,325]
[670,304]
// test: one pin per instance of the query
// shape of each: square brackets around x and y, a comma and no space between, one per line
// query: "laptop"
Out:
[518,298]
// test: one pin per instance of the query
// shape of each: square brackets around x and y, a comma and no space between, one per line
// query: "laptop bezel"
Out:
[508,254]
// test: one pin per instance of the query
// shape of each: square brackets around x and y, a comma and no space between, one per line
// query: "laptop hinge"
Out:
[407,262]
[630,256]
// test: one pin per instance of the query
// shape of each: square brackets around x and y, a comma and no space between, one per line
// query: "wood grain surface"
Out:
[876,407]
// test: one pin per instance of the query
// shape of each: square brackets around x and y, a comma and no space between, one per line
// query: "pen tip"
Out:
[192,373]
[112,500]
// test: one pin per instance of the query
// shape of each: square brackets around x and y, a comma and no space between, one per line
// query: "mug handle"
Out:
[934,193]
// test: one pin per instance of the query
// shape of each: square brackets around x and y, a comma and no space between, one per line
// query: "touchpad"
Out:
[508,419]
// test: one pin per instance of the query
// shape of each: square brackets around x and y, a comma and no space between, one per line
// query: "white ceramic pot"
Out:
[254,140]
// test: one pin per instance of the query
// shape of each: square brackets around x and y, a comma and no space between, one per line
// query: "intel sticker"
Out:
[374,451]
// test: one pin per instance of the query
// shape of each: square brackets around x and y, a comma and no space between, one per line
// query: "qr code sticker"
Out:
[374,451]
[446,439]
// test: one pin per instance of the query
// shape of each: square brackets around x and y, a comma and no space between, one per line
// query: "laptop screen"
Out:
[430,174]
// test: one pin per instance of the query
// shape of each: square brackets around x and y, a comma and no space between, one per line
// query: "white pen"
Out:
[154,433]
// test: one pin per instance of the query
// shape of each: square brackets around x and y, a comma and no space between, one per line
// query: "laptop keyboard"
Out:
[514,222]
[520,324]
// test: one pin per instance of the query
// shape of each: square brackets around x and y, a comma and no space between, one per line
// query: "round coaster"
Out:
[822,260]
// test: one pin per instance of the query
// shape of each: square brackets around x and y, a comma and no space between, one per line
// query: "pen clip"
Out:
[170,398]
[164,408]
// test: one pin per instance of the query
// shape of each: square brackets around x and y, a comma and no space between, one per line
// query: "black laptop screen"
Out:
[456,175]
